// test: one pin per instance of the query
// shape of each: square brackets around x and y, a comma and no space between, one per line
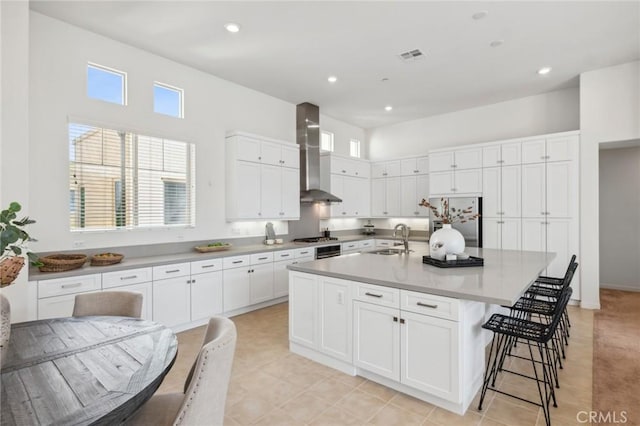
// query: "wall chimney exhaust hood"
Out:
[308,136]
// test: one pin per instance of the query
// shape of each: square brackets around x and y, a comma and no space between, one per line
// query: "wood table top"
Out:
[85,370]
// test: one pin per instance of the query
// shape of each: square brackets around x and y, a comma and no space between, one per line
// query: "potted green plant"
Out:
[13,240]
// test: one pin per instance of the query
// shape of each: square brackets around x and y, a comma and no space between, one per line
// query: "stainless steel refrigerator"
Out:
[471,230]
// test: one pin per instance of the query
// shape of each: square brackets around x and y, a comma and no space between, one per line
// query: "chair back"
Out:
[208,382]
[561,305]
[572,262]
[568,277]
[109,303]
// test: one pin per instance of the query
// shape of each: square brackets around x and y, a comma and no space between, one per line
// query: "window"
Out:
[106,84]
[326,141]
[124,180]
[354,148]
[167,100]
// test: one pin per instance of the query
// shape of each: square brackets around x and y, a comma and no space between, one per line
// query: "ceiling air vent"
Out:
[411,55]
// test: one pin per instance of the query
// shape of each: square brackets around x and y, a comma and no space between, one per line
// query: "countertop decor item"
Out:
[13,240]
[213,247]
[105,259]
[62,262]
[447,240]
[450,215]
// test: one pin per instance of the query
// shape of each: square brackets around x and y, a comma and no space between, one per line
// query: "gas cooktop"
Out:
[314,239]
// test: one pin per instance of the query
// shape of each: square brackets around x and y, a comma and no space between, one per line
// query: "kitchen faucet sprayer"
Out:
[404,234]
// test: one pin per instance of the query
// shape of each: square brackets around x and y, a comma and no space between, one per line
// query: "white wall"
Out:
[59,53]
[342,134]
[534,115]
[620,218]
[609,112]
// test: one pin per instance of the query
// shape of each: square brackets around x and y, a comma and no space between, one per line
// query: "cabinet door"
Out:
[281,278]
[248,187]
[408,167]
[261,283]
[534,151]
[429,348]
[303,309]
[560,189]
[271,192]
[533,190]
[290,190]
[360,193]
[236,288]
[147,297]
[376,339]
[510,191]
[491,156]
[422,191]
[491,204]
[270,153]
[491,233]
[378,197]
[378,170]
[247,149]
[468,158]
[409,205]
[511,234]
[335,318]
[337,189]
[393,169]
[422,165]
[559,238]
[206,295]
[441,161]
[468,181]
[290,156]
[393,196]
[562,148]
[511,154]
[440,183]
[56,307]
[362,169]
[172,301]
[534,234]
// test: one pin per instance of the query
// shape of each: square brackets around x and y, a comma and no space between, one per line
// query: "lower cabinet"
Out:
[172,301]
[376,336]
[303,309]
[147,290]
[335,337]
[206,295]
[261,283]
[237,288]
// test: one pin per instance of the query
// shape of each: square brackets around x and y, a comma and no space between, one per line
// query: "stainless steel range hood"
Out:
[308,135]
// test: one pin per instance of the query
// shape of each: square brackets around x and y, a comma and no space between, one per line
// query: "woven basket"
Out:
[9,269]
[62,262]
[104,259]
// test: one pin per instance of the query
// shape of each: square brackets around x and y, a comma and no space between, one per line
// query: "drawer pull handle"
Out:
[237,261]
[208,266]
[262,258]
[304,252]
[130,277]
[284,255]
[71,285]
[173,271]
[426,305]
[373,294]
[395,319]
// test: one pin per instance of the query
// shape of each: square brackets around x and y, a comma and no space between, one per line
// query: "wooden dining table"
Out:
[82,371]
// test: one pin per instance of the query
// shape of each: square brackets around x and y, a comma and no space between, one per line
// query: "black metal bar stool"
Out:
[505,329]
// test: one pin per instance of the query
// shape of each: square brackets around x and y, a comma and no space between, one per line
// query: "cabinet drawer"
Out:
[209,265]
[378,295]
[429,304]
[171,271]
[366,244]
[284,255]
[305,252]
[257,259]
[130,276]
[350,246]
[236,262]
[384,243]
[69,285]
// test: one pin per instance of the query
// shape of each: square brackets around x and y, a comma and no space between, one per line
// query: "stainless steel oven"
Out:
[324,252]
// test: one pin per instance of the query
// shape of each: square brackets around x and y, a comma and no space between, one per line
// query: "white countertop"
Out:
[505,276]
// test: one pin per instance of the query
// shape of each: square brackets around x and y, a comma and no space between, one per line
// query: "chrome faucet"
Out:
[404,234]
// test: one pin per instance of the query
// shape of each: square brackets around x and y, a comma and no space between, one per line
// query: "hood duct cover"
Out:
[308,135]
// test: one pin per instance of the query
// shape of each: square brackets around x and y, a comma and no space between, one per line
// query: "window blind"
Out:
[123,180]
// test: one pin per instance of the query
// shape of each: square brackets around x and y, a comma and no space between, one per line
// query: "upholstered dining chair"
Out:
[108,303]
[205,395]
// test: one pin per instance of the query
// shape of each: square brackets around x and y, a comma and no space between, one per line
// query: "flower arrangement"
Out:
[450,215]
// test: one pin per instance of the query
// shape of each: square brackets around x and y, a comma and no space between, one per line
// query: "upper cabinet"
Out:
[348,179]
[455,172]
[459,159]
[562,148]
[262,179]
[385,169]
[346,166]
[414,166]
[507,154]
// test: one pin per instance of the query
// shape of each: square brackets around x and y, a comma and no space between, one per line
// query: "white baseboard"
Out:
[620,287]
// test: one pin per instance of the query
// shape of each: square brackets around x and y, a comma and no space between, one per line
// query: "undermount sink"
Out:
[387,251]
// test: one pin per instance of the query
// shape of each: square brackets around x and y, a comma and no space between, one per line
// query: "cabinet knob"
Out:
[344,171]
[259,158]
[259,214]
[193,281]
[395,319]
[384,174]
[356,173]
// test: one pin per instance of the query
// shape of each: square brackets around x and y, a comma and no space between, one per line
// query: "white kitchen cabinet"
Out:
[560,148]
[335,337]
[245,179]
[258,149]
[236,288]
[290,190]
[534,190]
[206,295]
[261,286]
[376,339]
[172,301]
[534,151]
[549,189]
[385,169]
[350,247]
[506,154]
[147,296]
[414,166]
[460,159]
[335,164]
[501,191]
[278,200]
[501,233]
[303,309]
[247,280]
[56,307]
[280,271]
[385,197]
[458,182]
[441,161]
[354,192]
[414,189]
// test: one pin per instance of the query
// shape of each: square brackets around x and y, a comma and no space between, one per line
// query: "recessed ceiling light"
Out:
[480,14]
[544,71]
[332,79]
[496,43]
[388,108]
[232,27]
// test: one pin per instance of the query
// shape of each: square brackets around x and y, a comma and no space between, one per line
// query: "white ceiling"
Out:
[288,49]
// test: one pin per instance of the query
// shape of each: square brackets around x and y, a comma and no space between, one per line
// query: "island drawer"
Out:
[171,271]
[378,295]
[429,304]
[203,266]
[60,286]
[129,276]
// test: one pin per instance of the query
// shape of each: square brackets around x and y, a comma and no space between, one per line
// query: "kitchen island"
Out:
[412,327]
